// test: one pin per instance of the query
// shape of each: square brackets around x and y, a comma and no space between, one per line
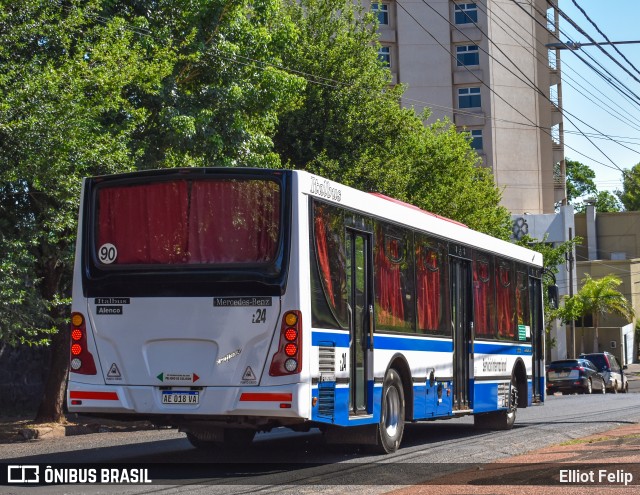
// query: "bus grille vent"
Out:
[327,360]
[327,385]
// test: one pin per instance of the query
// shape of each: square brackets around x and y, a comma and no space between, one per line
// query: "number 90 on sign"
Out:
[107,253]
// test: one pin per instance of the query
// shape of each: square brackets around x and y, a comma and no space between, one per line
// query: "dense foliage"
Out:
[581,186]
[630,194]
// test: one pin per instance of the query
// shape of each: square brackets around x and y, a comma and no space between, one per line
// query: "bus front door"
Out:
[359,293]
[460,273]
[537,338]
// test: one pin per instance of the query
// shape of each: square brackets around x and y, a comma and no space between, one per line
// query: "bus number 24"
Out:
[260,316]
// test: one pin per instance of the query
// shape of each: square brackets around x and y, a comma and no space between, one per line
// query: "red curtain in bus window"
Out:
[428,289]
[146,223]
[323,254]
[504,289]
[482,299]
[233,221]
[388,282]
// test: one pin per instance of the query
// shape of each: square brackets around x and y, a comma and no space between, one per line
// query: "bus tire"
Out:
[391,426]
[500,420]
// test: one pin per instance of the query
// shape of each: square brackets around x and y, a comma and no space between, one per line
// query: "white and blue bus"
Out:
[226,301]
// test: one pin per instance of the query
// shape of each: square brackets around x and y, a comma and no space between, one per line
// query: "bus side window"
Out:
[328,268]
[431,287]
[483,296]
[505,295]
[393,278]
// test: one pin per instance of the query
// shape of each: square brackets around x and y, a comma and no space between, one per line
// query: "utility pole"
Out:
[570,260]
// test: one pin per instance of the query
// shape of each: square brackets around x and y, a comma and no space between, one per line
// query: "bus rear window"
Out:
[188,222]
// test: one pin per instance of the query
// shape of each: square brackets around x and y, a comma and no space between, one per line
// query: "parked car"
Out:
[574,375]
[607,364]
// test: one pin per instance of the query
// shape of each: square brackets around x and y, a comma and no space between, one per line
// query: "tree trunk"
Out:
[51,405]
[595,334]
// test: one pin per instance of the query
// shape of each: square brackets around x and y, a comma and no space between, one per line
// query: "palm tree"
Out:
[600,297]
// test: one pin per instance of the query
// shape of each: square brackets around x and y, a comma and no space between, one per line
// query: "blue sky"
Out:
[586,96]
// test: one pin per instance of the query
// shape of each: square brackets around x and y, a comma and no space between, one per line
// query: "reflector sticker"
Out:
[114,372]
[75,394]
[107,253]
[249,378]
[266,397]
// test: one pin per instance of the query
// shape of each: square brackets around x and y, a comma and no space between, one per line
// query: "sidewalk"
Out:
[608,462]
[599,464]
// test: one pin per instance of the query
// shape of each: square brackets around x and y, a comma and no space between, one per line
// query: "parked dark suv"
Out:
[607,364]
[574,375]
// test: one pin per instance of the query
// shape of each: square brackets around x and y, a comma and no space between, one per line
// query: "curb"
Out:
[59,431]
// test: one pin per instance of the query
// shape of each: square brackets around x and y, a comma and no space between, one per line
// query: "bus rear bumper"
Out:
[284,401]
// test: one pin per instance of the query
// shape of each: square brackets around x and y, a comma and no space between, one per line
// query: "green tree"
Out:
[554,258]
[581,185]
[607,202]
[580,181]
[630,194]
[102,86]
[597,297]
[352,129]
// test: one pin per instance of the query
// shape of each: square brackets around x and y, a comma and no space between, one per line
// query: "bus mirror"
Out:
[552,293]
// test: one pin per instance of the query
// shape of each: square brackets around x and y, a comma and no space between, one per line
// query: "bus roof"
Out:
[399,212]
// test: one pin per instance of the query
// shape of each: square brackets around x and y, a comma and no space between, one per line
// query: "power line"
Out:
[542,57]
[528,81]
[631,96]
[581,31]
[569,113]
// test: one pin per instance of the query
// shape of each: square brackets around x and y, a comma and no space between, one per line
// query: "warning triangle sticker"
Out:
[248,374]
[114,372]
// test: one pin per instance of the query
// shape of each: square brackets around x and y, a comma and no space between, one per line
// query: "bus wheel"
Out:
[500,420]
[391,426]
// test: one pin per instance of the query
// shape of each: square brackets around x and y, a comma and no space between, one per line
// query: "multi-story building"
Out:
[485,66]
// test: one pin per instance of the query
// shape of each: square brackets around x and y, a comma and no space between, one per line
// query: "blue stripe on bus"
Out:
[400,343]
[385,342]
[404,344]
[497,349]
[322,338]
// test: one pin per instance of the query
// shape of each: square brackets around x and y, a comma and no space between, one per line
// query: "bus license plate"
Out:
[181,397]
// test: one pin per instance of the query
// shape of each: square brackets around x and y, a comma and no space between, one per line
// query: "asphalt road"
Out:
[283,461]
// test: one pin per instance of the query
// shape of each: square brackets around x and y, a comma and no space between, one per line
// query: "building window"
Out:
[384,55]
[382,12]
[476,140]
[467,55]
[466,13]
[469,98]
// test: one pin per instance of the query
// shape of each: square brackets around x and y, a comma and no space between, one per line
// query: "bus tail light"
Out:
[81,359]
[288,358]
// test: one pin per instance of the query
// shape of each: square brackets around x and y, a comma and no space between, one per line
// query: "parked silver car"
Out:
[610,369]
